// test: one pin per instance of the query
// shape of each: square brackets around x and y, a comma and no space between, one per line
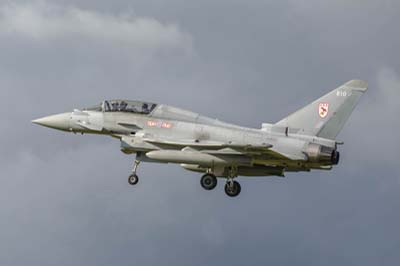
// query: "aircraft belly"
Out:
[258,170]
[198,158]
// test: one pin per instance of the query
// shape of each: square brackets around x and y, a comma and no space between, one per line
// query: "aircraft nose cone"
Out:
[59,121]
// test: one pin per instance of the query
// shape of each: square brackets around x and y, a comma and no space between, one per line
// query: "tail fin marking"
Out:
[326,116]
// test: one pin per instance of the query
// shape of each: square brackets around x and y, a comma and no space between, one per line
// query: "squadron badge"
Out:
[323,109]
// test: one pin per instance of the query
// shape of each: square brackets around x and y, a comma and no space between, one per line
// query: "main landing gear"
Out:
[133,178]
[232,188]
[208,181]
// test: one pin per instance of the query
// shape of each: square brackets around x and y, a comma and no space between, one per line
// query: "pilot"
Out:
[115,106]
[145,108]
[122,106]
[107,106]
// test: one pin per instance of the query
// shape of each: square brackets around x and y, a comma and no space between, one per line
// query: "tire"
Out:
[233,190]
[208,181]
[133,179]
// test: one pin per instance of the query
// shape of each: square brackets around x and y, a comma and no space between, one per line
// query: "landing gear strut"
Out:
[232,188]
[133,178]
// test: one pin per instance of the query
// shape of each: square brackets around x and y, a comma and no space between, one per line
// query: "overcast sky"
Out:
[64,198]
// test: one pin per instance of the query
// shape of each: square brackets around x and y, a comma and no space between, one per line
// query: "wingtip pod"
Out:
[356,84]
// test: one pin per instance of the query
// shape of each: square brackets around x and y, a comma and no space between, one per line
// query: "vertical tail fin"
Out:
[326,116]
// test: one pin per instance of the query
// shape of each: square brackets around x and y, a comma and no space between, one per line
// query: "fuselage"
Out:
[301,141]
[289,151]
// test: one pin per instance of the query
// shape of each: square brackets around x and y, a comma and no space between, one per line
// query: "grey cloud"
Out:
[375,121]
[389,90]
[43,21]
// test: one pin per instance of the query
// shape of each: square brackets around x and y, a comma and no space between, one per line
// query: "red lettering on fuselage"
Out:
[160,124]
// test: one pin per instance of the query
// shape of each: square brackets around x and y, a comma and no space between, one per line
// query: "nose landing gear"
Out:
[133,178]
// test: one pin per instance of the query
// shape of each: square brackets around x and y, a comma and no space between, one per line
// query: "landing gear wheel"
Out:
[208,181]
[133,179]
[232,188]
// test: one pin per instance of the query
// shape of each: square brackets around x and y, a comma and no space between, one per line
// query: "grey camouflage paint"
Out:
[301,142]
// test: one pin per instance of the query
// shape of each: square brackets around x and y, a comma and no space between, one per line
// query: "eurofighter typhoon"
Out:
[302,141]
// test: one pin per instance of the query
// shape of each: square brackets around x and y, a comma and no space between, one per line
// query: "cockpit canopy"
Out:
[136,107]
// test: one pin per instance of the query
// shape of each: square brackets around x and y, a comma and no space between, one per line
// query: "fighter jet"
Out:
[157,133]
